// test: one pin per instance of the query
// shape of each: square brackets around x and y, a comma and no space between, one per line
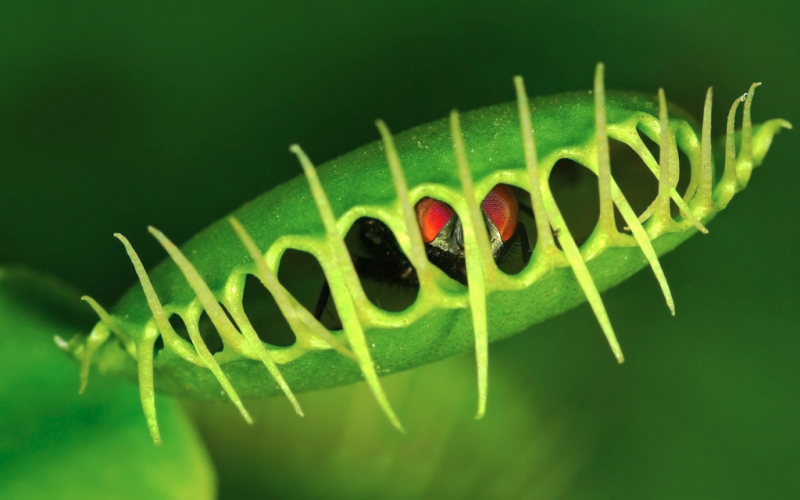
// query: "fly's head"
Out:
[442,231]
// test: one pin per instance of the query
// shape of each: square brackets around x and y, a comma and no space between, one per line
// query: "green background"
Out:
[114,116]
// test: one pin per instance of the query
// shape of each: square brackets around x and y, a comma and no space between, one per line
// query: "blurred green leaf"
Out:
[55,443]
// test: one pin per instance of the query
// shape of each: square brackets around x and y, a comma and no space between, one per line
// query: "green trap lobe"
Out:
[446,318]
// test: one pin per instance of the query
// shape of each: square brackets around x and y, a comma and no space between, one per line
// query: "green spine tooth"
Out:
[546,245]
[606,223]
[661,205]
[168,334]
[417,254]
[230,337]
[344,282]
[704,194]
[147,392]
[478,255]
[100,333]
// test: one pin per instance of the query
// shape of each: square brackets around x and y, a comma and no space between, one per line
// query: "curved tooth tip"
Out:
[61,343]
[122,239]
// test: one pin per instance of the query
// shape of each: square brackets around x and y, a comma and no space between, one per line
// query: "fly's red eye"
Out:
[500,205]
[432,216]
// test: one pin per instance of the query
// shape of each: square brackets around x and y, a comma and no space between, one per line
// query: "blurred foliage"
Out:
[115,116]
[57,444]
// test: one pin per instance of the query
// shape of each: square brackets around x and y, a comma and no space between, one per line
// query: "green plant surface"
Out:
[57,444]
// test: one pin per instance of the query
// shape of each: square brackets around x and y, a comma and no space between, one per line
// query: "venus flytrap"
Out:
[457,161]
